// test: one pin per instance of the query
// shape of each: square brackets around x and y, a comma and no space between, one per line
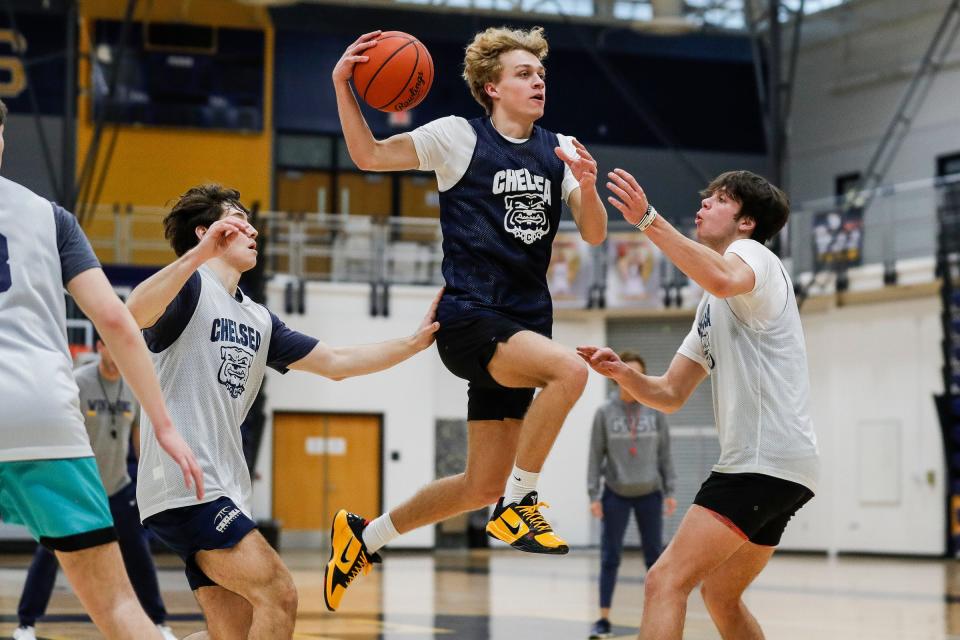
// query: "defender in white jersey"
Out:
[747,336]
[48,477]
[211,345]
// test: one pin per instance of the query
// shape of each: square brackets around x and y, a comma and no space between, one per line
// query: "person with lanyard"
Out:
[111,415]
[629,470]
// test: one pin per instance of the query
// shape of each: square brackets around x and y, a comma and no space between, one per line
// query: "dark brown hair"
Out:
[632,356]
[199,207]
[759,199]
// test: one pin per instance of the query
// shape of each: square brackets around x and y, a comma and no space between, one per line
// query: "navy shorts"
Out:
[203,527]
[755,505]
[466,348]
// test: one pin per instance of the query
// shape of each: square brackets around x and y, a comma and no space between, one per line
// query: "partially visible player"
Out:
[48,476]
[747,336]
[502,181]
[111,413]
[211,345]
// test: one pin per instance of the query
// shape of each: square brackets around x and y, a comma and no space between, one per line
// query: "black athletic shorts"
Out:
[466,348]
[755,505]
[202,527]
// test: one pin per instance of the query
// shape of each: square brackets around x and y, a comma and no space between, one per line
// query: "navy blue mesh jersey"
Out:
[498,226]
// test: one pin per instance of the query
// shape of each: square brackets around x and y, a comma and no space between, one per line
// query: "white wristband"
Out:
[647,219]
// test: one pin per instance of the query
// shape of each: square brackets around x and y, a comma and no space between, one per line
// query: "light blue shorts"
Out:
[61,502]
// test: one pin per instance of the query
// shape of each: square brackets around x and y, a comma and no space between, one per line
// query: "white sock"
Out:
[379,533]
[519,485]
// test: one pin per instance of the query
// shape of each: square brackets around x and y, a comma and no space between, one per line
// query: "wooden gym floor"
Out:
[504,594]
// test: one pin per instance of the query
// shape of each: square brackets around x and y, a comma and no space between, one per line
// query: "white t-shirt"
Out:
[753,347]
[446,145]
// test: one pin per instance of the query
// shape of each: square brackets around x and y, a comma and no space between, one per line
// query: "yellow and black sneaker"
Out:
[348,557]
[521,525]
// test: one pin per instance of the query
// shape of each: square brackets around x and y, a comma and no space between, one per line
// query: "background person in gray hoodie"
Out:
[629,470]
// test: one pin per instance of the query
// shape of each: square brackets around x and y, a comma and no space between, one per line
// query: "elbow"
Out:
[137,313]
[364,163]
[672,403]
[720,287]
[671,408]
[368,159]
[597,238]
[113,321]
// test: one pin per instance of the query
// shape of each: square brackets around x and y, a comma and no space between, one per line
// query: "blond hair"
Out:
[481,64]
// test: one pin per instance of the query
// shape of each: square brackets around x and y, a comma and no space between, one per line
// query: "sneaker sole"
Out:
[526,547]
[326,569]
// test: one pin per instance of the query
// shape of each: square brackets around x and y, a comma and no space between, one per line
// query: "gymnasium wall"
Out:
[854,67]
[152,165]
[873,369]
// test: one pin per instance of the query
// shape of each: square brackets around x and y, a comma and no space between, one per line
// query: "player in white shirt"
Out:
[747,335]
[211,345]
[48,476]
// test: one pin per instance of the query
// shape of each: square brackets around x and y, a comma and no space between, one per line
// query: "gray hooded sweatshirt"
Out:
[629,451]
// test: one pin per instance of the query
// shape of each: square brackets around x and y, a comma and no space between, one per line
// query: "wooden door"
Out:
[304,191]
[323,463]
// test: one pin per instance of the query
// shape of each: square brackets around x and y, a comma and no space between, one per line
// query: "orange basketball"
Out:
[397,75]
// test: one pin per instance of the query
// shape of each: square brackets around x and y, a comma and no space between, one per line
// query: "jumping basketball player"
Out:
[48,476]
[747,335]
[502,181]
[211,345]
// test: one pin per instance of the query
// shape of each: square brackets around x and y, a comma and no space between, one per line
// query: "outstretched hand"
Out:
[582,165]
[426,332]
[630,198]
[603,360]
[177,448]
[343,70]
[218,236]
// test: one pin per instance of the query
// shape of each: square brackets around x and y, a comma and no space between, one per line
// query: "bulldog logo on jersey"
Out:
[234,369]
[703,330]
[526,217]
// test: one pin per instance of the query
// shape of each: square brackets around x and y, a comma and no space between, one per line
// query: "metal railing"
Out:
[900,222]
[626,271]
[353,248]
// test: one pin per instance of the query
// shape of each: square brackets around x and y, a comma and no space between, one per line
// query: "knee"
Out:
[654,583]
[573,375]
[661,582]
[278,593]
[286,597]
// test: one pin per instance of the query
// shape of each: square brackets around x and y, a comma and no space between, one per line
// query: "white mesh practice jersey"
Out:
[210,376]
[210,349]
[752,345]
[41,249]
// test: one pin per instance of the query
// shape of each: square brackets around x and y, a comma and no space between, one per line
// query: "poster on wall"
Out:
[838,237]
[633,271]
[570,271]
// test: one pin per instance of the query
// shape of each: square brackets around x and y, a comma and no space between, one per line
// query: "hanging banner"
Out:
[838,237]
[570,271]
[633,273]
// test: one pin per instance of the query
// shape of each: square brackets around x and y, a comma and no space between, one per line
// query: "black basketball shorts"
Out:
[202,527]
[755,505]
[466,348]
